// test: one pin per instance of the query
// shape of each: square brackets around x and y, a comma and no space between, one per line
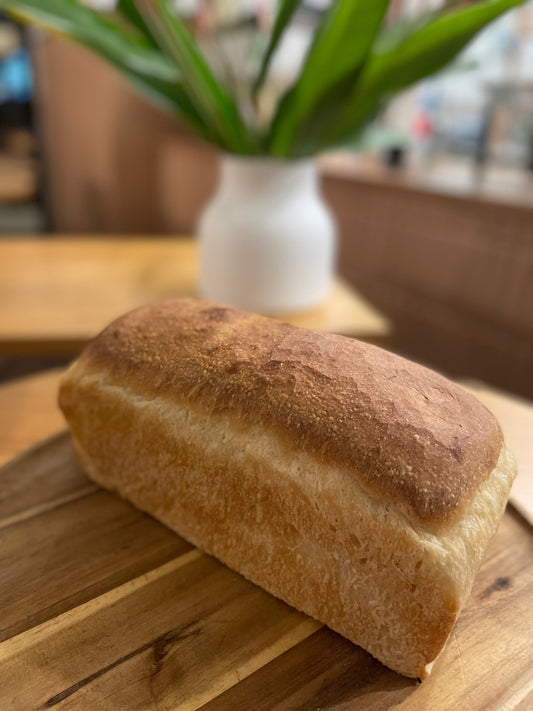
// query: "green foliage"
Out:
[287,8]
[355,63]
[339,50]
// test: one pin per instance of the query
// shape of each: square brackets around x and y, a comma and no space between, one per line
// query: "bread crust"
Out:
[407,435]
[304,530]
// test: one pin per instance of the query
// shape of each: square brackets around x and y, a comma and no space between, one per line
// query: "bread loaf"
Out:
[353,484]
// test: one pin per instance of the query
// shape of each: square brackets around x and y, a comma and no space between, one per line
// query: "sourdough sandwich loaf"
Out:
[353,484]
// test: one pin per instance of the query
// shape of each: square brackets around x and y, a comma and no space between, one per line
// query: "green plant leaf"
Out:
[431,46]
[351,68]
[286,11]
[421,53]
[96,32]
[339,49]
[209,96]
[128,9]
[393,34]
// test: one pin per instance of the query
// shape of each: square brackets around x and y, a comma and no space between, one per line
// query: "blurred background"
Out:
[434,206]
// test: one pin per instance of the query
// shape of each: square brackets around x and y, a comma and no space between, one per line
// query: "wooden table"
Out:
[56,294]
[104,608]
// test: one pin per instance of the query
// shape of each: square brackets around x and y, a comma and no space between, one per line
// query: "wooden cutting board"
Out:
[104,608]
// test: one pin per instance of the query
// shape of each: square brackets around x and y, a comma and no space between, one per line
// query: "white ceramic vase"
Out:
[267,239]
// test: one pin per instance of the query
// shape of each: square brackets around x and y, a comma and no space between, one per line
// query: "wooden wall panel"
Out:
[455,274]
[113,162]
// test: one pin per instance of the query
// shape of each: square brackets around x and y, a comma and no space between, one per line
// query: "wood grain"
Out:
[32,486]
[56,294]
[104,608]
[28,412]
[74,550]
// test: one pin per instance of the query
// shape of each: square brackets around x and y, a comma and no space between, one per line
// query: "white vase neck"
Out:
[250,175]
[267,238]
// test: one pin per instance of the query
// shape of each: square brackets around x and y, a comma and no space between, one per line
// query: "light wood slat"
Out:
[66,556]
[28,411]
[50,628]
[324,671]
[206,675]
[181,638]
[526,704]
[56,294]
[522,698]
[34,483]
[46,506]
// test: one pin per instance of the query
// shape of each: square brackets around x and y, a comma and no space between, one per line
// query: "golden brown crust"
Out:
[406,433]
